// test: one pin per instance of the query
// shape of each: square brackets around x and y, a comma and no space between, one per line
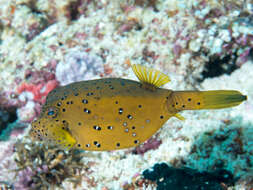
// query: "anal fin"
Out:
[180,117]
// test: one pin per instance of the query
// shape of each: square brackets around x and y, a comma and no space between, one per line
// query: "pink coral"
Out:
[33,92]
[35,95]
[39,82]
[39,91]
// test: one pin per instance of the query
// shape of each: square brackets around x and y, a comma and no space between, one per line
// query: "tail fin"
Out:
[196,100]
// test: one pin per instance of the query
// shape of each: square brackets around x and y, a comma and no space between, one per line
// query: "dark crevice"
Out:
[188,178]
[5,119]
[74,9]
[218,66]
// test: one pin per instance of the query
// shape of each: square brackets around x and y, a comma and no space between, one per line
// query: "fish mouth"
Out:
[53,132]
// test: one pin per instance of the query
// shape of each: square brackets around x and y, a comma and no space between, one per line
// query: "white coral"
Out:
[78,65]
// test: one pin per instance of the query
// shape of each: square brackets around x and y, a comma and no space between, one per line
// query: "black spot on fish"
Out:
[129,116]
[189,99]
[109,127]
[85,101]
[86,110]
[120,110]
[89,93]
[97,128]
[63,98]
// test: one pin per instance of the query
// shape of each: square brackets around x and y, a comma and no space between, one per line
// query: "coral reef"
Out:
[41,166]
[6,186]
[33,92]
[150,144]
[227,42]
[138,182]
[39,82]
[213,148]
[48,43]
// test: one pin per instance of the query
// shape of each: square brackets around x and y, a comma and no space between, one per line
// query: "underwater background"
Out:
[200,44]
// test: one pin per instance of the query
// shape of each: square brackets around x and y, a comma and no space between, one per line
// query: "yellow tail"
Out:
[196,100]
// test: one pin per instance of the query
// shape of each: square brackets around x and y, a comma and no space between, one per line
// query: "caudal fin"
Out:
[196,100]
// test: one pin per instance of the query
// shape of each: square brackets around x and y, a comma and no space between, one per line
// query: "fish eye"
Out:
[52,112]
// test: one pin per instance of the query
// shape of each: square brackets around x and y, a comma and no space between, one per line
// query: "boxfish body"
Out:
[115,113]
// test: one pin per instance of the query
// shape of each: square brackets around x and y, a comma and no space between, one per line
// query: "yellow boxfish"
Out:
[115,113]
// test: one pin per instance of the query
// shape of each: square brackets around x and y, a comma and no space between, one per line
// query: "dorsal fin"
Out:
[150,76]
